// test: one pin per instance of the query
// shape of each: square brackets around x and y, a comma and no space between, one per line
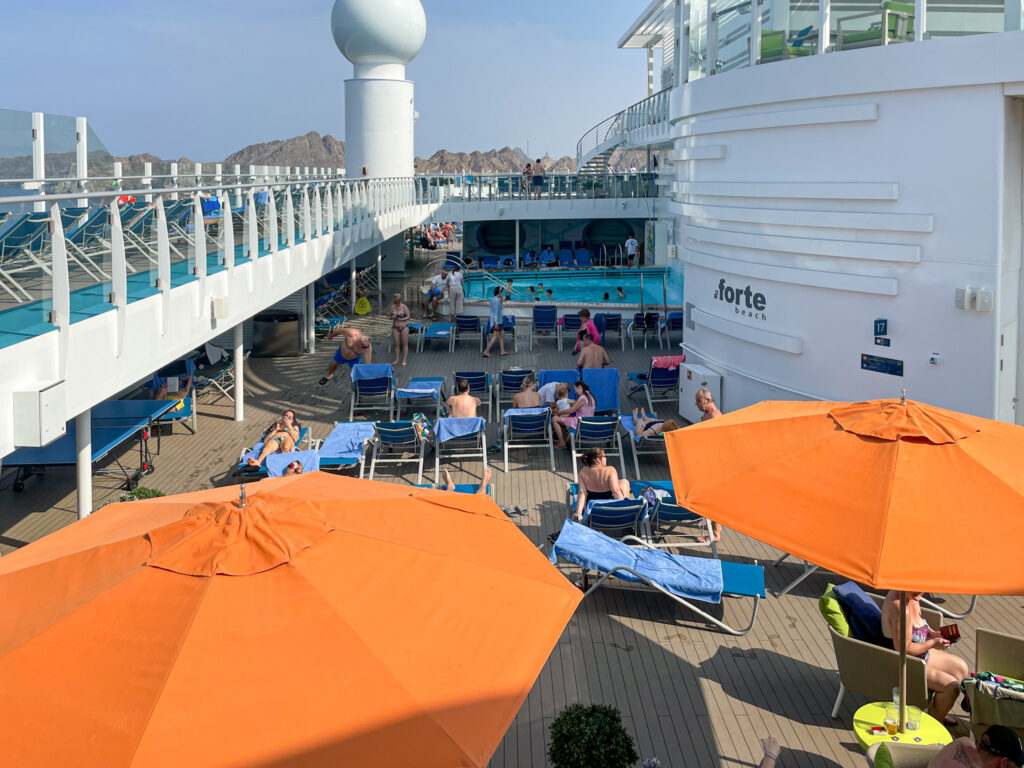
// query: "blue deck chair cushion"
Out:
[346,440]
[697,578]
[864,616]
[361,371]
[277,463]
[545,318]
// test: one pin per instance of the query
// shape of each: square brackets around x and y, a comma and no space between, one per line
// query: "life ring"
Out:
[125,199]
[362,306]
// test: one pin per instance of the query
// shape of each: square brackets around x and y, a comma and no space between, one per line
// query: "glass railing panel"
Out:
[138,227]
[732,36]
[859,24]
[970,17]
[698,39]
[180,242]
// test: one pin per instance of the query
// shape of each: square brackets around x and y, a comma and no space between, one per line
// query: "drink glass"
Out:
[913,718]
[892,719]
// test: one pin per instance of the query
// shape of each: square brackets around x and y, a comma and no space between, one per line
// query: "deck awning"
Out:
[651,26]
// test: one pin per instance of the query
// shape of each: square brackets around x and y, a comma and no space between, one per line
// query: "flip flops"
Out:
[323,381]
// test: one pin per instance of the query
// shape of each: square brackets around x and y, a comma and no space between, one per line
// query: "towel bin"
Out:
[276,334]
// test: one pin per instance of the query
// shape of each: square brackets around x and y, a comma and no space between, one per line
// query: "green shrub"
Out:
[590,737]
[140,493]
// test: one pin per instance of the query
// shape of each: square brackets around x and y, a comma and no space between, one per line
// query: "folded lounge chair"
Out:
[682,578]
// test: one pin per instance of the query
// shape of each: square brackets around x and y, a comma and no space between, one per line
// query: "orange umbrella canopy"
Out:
[895,495]
[330,621]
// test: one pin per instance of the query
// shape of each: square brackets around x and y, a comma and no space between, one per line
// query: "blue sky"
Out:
[202,79]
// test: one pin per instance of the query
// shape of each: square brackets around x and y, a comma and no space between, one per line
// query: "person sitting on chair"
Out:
[281,436]
[598,481]
[592,354]
[527,396]
[462,405]
[449,484]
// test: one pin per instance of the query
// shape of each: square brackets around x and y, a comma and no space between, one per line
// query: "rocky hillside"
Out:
[506,160]
[311,150]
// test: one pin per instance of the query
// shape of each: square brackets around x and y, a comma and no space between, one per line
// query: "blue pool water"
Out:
[583,286]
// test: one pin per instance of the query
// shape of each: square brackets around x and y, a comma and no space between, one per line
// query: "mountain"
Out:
[506,160]
[312,150]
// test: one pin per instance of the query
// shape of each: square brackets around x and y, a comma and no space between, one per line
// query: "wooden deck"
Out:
[691,696]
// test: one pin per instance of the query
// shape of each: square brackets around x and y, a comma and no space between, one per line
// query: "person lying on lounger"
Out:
[281,436]
[651,426]
[449,484]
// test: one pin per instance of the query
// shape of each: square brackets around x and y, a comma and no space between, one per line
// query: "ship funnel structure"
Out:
[379,37]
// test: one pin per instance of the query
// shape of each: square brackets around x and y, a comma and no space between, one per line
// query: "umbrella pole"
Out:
[902,634]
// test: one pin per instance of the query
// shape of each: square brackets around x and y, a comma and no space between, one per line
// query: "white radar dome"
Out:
[378,31]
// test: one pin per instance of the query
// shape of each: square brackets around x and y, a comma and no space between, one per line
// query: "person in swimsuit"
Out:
[943,671]
[281,436]
[495,325]
[527,396]
[449,484]
[295,468]
[538,178]
[651,426]
[584,406]
[998,747]
[592,355]
[399,314]
[355,349]
[598,481]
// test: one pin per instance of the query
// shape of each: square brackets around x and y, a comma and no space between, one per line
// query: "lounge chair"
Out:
[186,414]
[489,262]
[277,463]
[468,327]
[20,246]
[583,258]
[528,428]
[596,432]
[422,393]
[646,324]
[479,386]
[568,327]
[775,46]
[401,437]
[508,322]
[346,445]
[645,445]
[438,332]
[85,241]
[548,259]
[667,517]
[617,517]
[373,387]
[545,322]
[243,468]
[682,578]
[673,322]
[530,259]
[895,25]
[221,382]
[508,384]
[467,488]
[613,322]
[1003,655]
[659,385]
[565,258]
[603,383]
[459,438]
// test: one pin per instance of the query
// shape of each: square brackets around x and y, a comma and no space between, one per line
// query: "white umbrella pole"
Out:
[903,662]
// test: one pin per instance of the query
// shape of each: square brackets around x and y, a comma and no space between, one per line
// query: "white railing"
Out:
[652,112]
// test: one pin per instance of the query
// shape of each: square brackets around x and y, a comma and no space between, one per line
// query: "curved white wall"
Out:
[379,118]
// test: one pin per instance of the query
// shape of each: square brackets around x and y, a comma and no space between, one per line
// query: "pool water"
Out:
[582,286]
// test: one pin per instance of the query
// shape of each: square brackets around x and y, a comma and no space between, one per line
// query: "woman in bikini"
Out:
[399,314]
[943,671]
[584,406]
[598,481]
[280,436]
[651,426]
[527,396]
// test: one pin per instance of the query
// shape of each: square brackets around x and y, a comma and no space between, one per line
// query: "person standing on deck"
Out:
[705,403]
[494,324]
[592,355]
[538,178]
[456,293]
[631,245]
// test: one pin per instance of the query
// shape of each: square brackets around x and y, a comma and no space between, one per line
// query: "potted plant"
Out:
[140,493]
[590,737]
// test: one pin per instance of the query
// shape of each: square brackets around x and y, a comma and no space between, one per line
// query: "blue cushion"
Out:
[864,615]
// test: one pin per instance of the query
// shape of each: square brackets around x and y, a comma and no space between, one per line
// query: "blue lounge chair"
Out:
[596,432]
[616,517]
[467,488]
[565,258]
[70,215]
[186,414]
[645,324]
[85,241]
[468,327]
[548,259]
[545,322]
[421,393]
[490,262]
[583,258]
[530,259]
[508,384]
[683,578]
[659,385]
[528,428]
[603,383]
[438,332]
[643,445]
[569,327]
[397,437]
[673,322]
[20,246]
[479,386]
[613,322]
[373,387]
[508,322]
[346,445]
[278,463]
[509,261]
[459,438]
[243,468]
[667,516]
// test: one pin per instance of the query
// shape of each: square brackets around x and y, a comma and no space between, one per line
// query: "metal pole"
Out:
[518,246]
[38,159]
[82,158]
[903,662]
[352,286]
[664,292]
[311,317]
[239,369]
[83,462]
[641,291]
[380,283]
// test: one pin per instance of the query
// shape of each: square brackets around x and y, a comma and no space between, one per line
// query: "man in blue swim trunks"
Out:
[356,348]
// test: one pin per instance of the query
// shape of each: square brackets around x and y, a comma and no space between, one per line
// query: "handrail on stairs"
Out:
[650,111]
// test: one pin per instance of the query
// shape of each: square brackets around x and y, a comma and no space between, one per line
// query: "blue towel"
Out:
[438,330]
[346,440]
[372,371]
[421,388]
[450,427]
[597,502]
[262,197]
[603,382]
[277,463]
[524,412]
[689,577]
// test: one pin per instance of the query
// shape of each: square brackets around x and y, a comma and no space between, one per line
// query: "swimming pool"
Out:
[582,286]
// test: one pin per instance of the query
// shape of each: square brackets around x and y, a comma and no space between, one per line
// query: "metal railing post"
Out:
[39,161]
[82,158]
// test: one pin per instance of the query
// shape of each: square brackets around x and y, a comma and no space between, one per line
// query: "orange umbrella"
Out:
[873,491]
[869,490]
[329,621]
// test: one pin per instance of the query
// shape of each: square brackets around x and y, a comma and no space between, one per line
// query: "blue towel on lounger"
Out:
[277,463]
[525,412]
[451,427]
[346,440]
[698,578]
[372,371]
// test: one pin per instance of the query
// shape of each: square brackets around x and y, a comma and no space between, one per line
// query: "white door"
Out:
[1006,386]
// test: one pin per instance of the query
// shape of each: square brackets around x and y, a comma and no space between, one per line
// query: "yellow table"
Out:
[931,731]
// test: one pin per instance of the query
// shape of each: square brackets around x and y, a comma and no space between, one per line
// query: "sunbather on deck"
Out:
[449,484]
[295,468]
[528,396]
[463,405]
[651,426]
[598,481]
[279,436]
